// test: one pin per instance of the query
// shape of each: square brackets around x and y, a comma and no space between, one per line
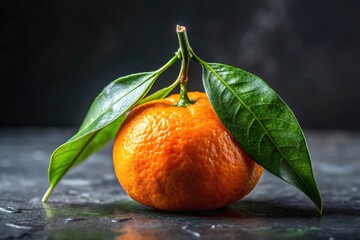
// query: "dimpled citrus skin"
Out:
[181,158]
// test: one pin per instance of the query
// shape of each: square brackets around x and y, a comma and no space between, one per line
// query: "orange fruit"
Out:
[181,158]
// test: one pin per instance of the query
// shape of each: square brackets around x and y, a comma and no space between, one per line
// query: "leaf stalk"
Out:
[184,69]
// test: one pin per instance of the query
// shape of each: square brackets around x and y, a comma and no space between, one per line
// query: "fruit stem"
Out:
[185,59]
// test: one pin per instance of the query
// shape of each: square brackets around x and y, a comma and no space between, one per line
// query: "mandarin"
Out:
[181,158]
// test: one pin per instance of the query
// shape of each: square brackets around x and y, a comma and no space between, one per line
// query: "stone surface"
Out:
[90,204]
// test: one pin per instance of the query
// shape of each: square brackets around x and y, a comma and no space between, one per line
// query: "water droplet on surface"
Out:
[186,229]
[6,210]
[121,220]
[17,226]
[74,219]
[11,209]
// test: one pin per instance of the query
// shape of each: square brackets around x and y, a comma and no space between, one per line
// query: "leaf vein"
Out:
[262,126]
[106,109]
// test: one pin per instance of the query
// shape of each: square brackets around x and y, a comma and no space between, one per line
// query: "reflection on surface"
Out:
[130,220]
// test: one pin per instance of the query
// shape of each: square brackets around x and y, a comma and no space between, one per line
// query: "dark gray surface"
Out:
[90,204]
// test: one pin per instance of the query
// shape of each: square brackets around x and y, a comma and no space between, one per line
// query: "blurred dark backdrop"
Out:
[56,56]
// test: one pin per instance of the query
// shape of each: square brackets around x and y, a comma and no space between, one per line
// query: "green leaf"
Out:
[116,98]
[100,124]
[103,120]
[73,152]
[262,124]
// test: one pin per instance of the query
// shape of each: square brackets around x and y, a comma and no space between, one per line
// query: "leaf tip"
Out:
[317,200]
[320,207]
[320,212]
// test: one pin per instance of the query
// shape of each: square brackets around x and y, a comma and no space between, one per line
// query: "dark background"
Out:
[56,56]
